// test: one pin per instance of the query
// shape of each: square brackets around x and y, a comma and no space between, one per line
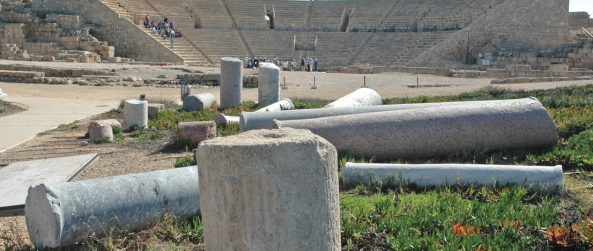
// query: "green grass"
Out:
[4,108]
[424,220]
[185,161]
[101,140]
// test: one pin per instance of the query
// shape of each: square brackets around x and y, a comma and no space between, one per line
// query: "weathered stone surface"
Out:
[268,89]
[198,102]
[111,122]
[135,113]
[59,214]
[102,131]
[185,91]
[231,82]
[437,131]
[154,109]
[196,132]
[539,178]
[263,120]
[224,120]
[269,190]
[360,97]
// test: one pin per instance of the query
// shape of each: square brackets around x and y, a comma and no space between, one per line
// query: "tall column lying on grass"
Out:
[539,178]
[268,87]
[198,102]
[135,113]
[360,97]
[437,131]
[269,190]
[231,82]
[58,215]
[253,120]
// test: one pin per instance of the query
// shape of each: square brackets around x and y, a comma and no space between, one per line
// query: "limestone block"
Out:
[196,132]
[539,178]
[360,97]
[135,113]
[210,77]
[269,190]
[198,102]
[102,131]
[48,58]
[268,89]
[231,82]
[154,109]
[57,215]
[110,122]
[437,131]
[558,68]
[114,59]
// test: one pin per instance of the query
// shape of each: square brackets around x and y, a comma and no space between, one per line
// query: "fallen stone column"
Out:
[58,215]
[231,82]
[437,131]
[284,104]
[268,87]
[360,97]
[198,102]
[101,131]
[224,120]
[135,113]
[539,178]
[253,120]
[185,91]
[269,190]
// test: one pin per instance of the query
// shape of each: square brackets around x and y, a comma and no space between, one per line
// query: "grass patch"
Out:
[185,161]
[426,220]
[101,140]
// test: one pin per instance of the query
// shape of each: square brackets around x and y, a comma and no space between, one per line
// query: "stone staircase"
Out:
[135,10]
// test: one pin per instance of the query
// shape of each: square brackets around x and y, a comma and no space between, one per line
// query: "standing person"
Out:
[294,65]
[256,62]
[303,64]
[309,64]
[172,42]
[316,63]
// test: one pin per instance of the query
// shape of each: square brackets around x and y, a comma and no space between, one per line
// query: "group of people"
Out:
[308,64]
[165,29]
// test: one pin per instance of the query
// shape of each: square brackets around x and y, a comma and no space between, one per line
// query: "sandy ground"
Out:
[329,85]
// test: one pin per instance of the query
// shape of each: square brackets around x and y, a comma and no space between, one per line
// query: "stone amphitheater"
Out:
[454,34]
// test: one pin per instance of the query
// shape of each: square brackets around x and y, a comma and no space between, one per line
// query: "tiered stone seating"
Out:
[327,16]
[398,48]
[249,15]
[217,43]
[176,11]
[290,15]
[272,44]
[213,15]
[336,48]
[182,47]
[368,14]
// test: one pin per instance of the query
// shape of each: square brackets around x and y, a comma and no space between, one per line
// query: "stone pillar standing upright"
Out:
[269,190]
[231,82]
[268,87]
[135,113]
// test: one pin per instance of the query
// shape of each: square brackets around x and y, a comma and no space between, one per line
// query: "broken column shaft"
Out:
[437,131]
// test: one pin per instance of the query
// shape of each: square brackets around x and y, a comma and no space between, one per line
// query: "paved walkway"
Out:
[45,114]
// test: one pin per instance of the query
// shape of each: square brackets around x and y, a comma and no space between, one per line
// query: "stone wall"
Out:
[65,21]
[521,25]
[129,40]
[580,19]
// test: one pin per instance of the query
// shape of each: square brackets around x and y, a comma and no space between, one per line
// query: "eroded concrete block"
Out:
[269,190]
[154,109]
[196,132]
[437,131]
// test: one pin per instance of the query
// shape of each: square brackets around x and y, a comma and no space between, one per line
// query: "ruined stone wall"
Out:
[579,19]
[12,33]
[65,21]
[129,40]
[522,25]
